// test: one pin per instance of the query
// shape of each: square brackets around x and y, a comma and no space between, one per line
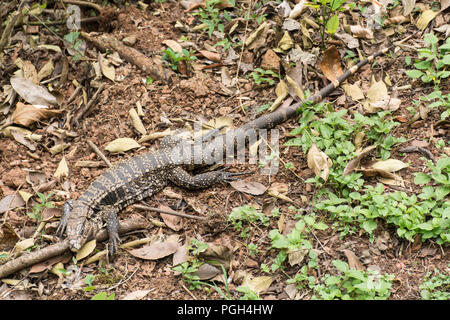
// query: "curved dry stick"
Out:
[29,259]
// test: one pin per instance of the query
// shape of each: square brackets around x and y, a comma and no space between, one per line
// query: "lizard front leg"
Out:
[182,178]
[67,209]
[112,225]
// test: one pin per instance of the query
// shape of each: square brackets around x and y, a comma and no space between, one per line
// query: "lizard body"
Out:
[141,176]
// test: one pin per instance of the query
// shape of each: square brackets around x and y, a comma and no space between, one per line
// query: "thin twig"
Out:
[171,212]
[88,108]
[188,291]
[99,153]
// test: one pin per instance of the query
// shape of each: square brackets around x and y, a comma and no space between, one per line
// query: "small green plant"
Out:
[44,203]
[246,214]
[431,66]
[249,294]
[188,272]
[210,16]
[73,38]
[174,58]
[435,286]
[103,296]
[89,280]
[440,176]
[295,246]
[262,77]
[353,284]
[328,19]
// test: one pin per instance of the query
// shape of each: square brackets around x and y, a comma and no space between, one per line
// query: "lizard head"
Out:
[79,229]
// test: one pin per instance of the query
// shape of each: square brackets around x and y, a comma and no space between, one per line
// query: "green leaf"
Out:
[441,192]
[430,38]
[333,24]
[425,226]
[414,73]
[341,265]
[421,178]
[369,226]
[71,36]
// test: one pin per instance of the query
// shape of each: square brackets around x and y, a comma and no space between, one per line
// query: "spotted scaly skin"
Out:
[126,183]
[144,175]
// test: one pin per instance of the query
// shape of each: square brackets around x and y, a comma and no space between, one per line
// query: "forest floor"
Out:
[308,231]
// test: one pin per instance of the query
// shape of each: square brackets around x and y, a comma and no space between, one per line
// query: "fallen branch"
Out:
[84,112]
[153,67]
[170,212]
[60,248]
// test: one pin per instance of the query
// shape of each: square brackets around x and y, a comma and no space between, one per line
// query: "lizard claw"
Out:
[113,246]
[67,208]
[230,176]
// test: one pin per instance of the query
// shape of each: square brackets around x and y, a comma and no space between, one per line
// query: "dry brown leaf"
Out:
[297,9]
[23,245]
[121,145]
[25,195]
[390,165]
[11,202]
[62,170]
[26,114]
[286,42]
[58,270]
[21,138]
[258,284]
[29,72]
[173,222]
[319,162]
[46,70]
[86,250]
[107,69]
[377,91]
[426,18]
[32,93]
[250,187]
[207,271]
[270,61]
[217,254]
[353,261]
[408,6]
[331,64]
[137,122]
[353,164]
[297,256]
[8,236]
[157,250]
[213,56]
[278,190]
[136,295]
[57,148]
[180,256]
[281,91]
[253,36]
[353,91]
[46,265]
[361,32]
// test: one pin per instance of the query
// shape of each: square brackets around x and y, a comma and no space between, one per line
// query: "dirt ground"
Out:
[199,95]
